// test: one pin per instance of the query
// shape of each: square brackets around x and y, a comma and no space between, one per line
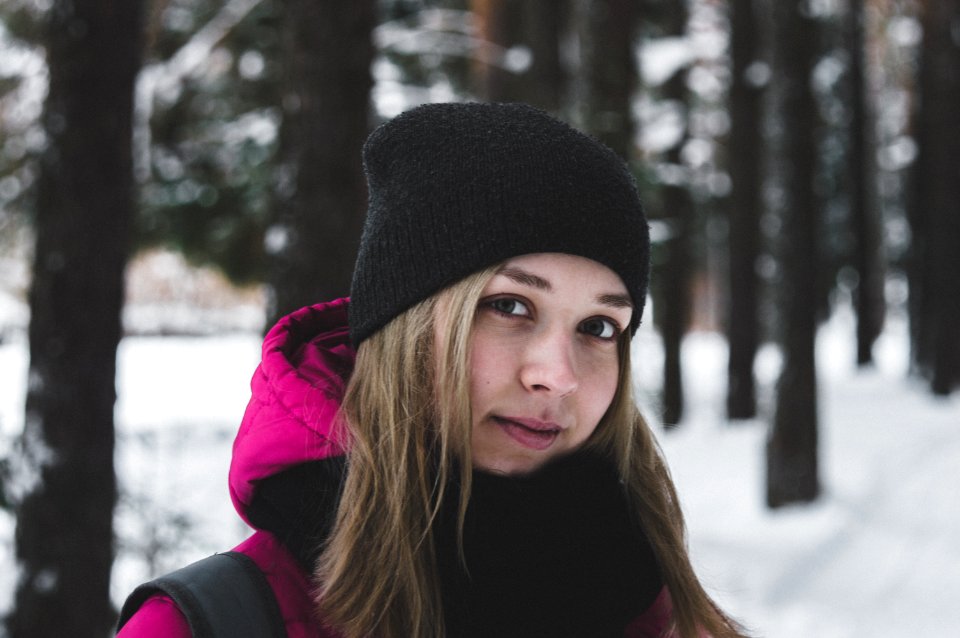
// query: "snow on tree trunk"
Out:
[64,535]
[320,192]
[749,76]
[792,472]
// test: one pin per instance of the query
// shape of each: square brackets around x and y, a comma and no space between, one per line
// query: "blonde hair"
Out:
[407,418]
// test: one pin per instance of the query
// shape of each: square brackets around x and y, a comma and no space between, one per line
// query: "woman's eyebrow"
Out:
[615,301]
[525,278]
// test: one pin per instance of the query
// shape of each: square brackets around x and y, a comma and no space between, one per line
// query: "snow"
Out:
[877,555]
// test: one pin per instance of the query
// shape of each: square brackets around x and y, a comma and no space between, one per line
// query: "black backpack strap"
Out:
[222,596]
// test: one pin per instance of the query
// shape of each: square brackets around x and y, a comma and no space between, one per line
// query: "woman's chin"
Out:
[508,465]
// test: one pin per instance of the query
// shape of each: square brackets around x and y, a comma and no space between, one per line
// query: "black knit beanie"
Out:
[454,188]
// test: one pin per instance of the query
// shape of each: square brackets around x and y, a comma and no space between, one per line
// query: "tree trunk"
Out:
[935,217]
[498,22]
[64,535]
[320,192]
[864,213]
[545,81]
[534,26]
[675,275]
[792,473]
[920,300]
[608,70]
[745,207]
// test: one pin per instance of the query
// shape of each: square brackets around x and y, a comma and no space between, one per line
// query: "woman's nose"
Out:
[549,366]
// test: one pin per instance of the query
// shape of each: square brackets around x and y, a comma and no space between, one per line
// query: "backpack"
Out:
[222,596]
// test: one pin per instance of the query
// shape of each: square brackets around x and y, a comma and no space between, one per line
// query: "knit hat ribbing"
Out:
[454,188]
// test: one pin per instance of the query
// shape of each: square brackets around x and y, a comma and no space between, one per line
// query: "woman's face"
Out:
[543,359]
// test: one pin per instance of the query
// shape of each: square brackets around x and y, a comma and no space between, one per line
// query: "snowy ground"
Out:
[878,555]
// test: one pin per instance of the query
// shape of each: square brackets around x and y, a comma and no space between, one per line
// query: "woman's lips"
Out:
[530,433]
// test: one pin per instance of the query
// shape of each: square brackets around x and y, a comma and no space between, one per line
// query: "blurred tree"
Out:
[528,36]
[935,210]
[207,130]
[676,261]
[792,466]
[608,70]
[22,82]
[426,50]
[545,81]
[320,193]
[64,535]
[499,23]
[862,179]
[749,75]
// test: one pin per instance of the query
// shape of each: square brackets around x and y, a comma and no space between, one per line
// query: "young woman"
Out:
[455,450]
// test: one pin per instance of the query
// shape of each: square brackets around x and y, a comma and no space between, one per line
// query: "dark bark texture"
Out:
[745,206]
[320,192]
[64,535]
[935,210]
[792,467]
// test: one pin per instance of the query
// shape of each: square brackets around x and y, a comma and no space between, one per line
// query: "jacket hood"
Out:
[296,394]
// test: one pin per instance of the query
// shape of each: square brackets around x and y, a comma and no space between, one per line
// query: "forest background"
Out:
[790,154]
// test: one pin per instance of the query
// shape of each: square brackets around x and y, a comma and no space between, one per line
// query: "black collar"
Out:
[553,553]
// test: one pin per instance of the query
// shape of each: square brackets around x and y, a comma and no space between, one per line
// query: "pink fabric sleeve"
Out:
[654,622]
[159,617]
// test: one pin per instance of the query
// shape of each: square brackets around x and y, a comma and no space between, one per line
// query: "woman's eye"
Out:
[600,328]
[509,306]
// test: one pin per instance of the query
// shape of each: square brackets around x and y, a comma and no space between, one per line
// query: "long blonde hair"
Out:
[407,417]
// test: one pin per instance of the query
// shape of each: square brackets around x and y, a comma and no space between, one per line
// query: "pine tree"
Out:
[608,70]
[792,464]
[673,279]
[745,206]
[864,213]
[207,131]
[526,34]
[935,212]
[320,192]
[64,536]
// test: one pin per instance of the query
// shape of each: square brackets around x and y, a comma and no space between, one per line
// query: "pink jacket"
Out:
[297,390]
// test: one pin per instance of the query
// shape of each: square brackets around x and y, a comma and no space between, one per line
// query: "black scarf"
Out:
[553,553]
